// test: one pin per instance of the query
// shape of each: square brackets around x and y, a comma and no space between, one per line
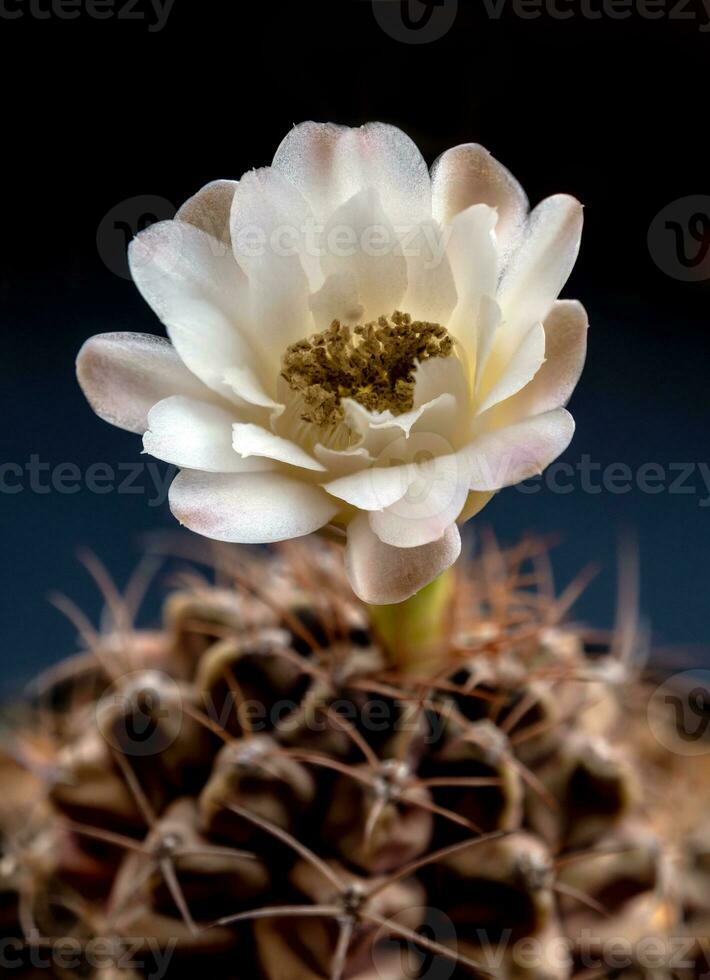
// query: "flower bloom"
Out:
[354,342]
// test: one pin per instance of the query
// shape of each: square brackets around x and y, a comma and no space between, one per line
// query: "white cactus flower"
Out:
[354,342]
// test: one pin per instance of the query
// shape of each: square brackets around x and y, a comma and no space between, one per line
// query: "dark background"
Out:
[98,112]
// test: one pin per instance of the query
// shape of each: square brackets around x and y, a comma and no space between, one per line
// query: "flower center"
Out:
[372,363]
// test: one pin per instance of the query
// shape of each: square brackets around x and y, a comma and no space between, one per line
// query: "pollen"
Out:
[372,363]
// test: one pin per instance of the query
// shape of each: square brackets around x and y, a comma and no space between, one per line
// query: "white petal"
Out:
[433,501]
[475,263]
[406,420]
[519,371]
[389,437]
[541,266]
[518,452]
[210,208]
[337,299]
[268,220]
[489,322]
[270,215]
[329,164]
[193,434]
[245,383]
[359,239]
[468,174]
[374,488]
[439,375]
[370,434]
[398,463]
[193,283]
[344,462]
[565,351]
[248,508]
[253,440]
[124,374]
[381,574]
[431,290]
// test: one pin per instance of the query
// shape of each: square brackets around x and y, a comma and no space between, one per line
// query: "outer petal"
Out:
[329,164]
[381,574]
[517,452]
[124,374]
[253,440]
[197,289]
[269,219]
[210,208]
[540,268]
[434,499]
[359,239]
[565,350]
[270,215]
[468,174]
[249,508]
[191,433]
[373,488]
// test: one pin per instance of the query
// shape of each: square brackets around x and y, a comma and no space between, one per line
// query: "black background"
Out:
[98,112]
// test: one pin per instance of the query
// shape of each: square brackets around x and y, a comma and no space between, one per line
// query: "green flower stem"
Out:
[413,632]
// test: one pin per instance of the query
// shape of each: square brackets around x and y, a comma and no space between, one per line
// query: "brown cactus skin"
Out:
[296,807]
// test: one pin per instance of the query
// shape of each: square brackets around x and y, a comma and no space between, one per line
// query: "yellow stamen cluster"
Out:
[372,363]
